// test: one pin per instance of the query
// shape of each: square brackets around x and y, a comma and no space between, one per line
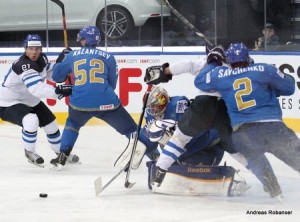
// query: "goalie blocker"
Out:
[197,180]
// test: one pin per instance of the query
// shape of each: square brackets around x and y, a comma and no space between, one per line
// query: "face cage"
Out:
[156,111]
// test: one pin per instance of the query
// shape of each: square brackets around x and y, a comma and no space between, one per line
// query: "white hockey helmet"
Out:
[157,101]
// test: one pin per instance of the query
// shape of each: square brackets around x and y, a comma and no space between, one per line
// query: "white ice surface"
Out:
[71,191]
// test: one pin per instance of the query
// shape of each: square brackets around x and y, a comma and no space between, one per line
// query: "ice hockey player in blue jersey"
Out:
[201,155]
[162,114]
[95,77]
[20,98]
[250,93]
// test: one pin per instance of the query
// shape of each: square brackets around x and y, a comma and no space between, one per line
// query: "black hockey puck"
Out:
[43,195]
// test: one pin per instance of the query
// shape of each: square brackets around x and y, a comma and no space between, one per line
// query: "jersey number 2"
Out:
[246,90]
[81,75]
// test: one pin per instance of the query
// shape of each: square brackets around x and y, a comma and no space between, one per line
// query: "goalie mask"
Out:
[157,102]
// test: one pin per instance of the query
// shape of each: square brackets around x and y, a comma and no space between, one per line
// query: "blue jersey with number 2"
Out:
[250,93]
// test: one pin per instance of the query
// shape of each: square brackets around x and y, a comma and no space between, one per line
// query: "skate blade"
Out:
[98,186]
[56,167]
[279,198]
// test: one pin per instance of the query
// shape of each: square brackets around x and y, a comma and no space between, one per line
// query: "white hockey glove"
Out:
[155,74]
[160,131]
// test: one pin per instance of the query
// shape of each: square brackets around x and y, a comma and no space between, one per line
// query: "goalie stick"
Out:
[187,23]
[127,183]
[98,182]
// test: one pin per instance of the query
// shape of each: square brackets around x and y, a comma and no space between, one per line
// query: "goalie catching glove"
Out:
[63,90]
[156,74]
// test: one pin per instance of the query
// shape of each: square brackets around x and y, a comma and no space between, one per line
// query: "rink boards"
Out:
[132,62]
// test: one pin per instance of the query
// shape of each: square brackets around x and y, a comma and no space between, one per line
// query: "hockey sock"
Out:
[173,149]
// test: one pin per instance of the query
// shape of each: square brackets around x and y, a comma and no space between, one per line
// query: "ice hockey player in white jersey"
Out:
[21,92]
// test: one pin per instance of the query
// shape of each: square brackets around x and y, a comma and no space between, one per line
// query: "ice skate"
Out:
[34,158]
[58,162]
[158,177]
[272,186]
[238,188]
[74,159]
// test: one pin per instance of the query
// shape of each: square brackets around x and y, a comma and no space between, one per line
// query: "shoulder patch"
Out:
[181,106]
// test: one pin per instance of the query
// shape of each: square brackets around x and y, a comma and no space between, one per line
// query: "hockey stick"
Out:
[98,182]
[62,6]
[186,22]
[127,183]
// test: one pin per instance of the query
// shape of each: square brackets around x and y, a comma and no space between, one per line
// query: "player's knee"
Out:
[30,122]
[179,138]
[51,128]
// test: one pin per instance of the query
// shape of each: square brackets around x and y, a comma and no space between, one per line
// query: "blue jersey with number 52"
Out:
[250,93]
[95,77]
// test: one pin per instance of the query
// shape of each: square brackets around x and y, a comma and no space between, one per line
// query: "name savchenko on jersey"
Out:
[229,72]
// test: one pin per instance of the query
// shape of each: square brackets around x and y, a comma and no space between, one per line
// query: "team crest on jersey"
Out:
[181,106]
[107,107]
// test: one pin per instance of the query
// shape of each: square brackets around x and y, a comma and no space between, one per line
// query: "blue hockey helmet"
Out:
[33,40]
[237,52]
[91,34]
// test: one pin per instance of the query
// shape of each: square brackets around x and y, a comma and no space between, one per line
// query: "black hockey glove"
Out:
[216,55]
[63,90]
[155,74]
[63,54]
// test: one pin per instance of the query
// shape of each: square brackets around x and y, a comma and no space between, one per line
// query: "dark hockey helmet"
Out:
[237,52]
[32,40]
[91,34]
[157,101]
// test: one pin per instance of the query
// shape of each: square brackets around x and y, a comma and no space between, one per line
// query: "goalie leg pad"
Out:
[194,180]
[124,158]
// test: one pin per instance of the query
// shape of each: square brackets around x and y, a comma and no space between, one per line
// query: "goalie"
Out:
[196,170]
